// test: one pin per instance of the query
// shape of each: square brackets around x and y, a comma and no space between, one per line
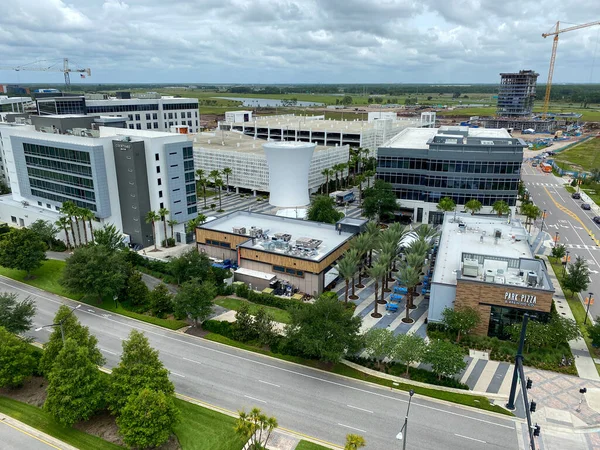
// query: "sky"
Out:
[298,41]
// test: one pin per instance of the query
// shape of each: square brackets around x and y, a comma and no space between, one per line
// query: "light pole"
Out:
[115,297]
[556,239]
[60,323]
[587,311]
[404,430]
[565,264]
[543,217]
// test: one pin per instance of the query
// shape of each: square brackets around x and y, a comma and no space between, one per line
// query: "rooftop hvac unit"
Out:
[255,232]
[532,278]
[239,230]
[310,243]
[282,237]
[470,268]
[497,233]
[489,276]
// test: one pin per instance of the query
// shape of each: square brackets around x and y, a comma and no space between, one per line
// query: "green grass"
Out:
[204,429]
[278,315]
[41,420]
[47,278]
[583,156]
[306,445]
[480,111]
[474,401]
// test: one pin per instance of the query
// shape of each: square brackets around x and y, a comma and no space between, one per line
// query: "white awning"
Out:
[255,274]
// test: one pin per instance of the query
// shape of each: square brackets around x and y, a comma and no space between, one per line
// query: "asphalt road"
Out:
[305,400]
[12,438]
[565,216]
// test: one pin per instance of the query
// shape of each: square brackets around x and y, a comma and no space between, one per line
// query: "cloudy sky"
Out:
[299,41]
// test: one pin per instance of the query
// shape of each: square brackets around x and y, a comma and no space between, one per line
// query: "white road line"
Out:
[191,360]
[108,351]
[360,409]
[178,374]
[255,399]
[352,428]
[270,384]
[470,438]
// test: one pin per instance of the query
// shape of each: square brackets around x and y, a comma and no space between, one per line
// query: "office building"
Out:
[517,93]
[117,173]
[425,165]
[486,263]
[267,247]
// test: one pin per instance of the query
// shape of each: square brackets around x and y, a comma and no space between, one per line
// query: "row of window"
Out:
[61,189]
[183,115]
[192,210]
[171,106]
[390,162]
[191,200]
[214,243]
[61,199]
[121,108]
[459,198]
[289,271]
[58,165]
[188,153]
[62,177]
[56,153]
[487,184]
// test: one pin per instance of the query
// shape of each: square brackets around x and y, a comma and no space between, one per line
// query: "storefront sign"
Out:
[512,298]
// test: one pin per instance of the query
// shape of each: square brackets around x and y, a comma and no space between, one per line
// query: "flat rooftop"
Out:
[419,138]
[270,225]
[234,141]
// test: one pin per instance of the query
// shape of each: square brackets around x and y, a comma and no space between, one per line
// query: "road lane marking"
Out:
[352,428]
[108,351]
[177,374]
[270,384]
[191,360]
[30,435]
[255,399]
[472,439]
[360,409]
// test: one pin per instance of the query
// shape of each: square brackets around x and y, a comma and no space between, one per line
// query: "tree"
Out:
[255,427]
[373,232]
[139,368]
[109,237]
[473,205]
[531,212]
[79,214]
[322,209]
[135,290]
[227,171]
[446,358]
[500,207]
[69,209]
[379,202]
[16,316]
[152,217]
[563,330]
[347,267]
[409,349]
[376,272]
[190,264]
[192,224]
[360,179]
[325,329]
[409,277]
[219,186]
[45,230]
[72,329]
[64,223]
[22,249]
[264,326]
[461,321]
[354,442]
[17,362]
[346,100]
[171,224]
[379,344]
[161,300]
[577,277]
[362,245]
[195,300]
[95,270]
[594,332]
[559,251]
[163,213]
[446,204]
[148,419]
[326,173]
[243,326]
[538,334]
[76,387]
[201,180]
[87,214]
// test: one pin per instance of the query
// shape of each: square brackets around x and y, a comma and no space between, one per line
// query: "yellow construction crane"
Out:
[555,33]
[65,69]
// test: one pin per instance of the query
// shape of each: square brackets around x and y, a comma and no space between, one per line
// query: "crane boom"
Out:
[555,33]
[66,70]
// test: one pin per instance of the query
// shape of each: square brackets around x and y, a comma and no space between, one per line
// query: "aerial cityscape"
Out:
[299,225]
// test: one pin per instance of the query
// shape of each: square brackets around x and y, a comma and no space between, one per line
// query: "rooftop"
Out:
[420,138]
[303,234]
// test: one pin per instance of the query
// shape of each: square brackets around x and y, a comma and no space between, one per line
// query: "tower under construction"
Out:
[517,93]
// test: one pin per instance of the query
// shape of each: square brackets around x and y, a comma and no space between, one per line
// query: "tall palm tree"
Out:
[346,268]
[408,277]
[362,245]
[390,250]
[191,225]
[68,209]
[87,214]
[372,230]
[360,179]
[163,213]
[219,185]
[202,182]
[326,173]
[152,217]
[356,257]
[385,259]
[215,175]
[426,232]
[337,169]
[369,174]
[171,224]
[64,223]
[376,272]
[227,171]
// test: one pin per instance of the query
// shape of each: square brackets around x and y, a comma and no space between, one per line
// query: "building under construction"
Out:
[517,94]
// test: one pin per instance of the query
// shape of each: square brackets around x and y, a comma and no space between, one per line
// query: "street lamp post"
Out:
[565,264]
[587,311]
[556,239]
[543,217]
[115,298]
[404,430]
[60,323]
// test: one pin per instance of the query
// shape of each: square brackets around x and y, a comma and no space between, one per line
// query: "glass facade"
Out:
[501,318]
[190,180]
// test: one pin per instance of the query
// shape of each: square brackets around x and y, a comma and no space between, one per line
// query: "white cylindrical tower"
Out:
[289,164]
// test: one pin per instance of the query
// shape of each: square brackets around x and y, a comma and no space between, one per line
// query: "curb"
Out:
[35,433]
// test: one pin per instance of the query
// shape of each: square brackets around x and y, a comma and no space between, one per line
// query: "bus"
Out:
[547,168]
[342,197]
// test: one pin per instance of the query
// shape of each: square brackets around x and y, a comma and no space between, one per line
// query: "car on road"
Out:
[576,195]
[586,206]
[596,219]
[534,164]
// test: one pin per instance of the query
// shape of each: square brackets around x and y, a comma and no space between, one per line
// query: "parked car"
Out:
[596,219]
[586,206]
[534,164]
[576,195]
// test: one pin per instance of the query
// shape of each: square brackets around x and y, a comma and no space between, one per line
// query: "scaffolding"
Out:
[517,93]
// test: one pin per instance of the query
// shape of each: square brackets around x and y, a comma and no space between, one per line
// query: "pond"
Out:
[263,102]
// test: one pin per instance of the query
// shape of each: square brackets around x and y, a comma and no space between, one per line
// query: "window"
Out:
[156,157]
[162,205]
[155,116]
[160,182]
[189,114]
[170,115]
[159,194]
[13,219]
[39,203]
[192,210]
[147,116]
[131,126]
[48,205]
[189,123]
[155,124]
[137,117]
[157,169]
[130,116]
[138,126]
[289,271]
[214,243]
[148,126]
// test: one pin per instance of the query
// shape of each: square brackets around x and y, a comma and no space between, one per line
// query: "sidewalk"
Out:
[34,433]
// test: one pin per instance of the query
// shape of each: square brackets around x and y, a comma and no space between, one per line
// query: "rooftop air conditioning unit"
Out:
[497,233]
[470,268]
[532,278]
[255,232]
[239,230]
[489,276]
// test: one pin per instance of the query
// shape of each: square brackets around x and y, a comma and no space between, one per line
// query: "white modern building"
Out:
[12,105]
[238,116]
[150,111]
[117,173]
[246,158]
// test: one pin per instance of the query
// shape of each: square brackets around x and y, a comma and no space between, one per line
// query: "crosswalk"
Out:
[529,183]
[583,246]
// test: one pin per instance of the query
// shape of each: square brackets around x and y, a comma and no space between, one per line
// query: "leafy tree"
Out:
[594,332]
[256,427]
[243,326]
[409,349]
[139,369]
[379,202]
[531,212]
[473,205]
[22,249]
[559,251]
[45,230]
[95,270]
[152,217]
[324,330]
[17,362]
[264,326]
[500,207]
[195,300]
[148,419]
[354,442]
[74,330]
[379,344]
[191,264]
[577,277]
[161,300]
[537,334]
[135,290]
[446,204]
[76,387]
[446,358]
[461,321]
[563,330]
[346,100]
[109,237]
[16,316]
[322,209]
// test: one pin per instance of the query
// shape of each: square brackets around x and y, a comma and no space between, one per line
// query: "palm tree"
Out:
[64,223]
[385,260]
[356,257]
[446,204]
[215,175]
[409,277]
[87,214]
[227,171]
[326,173]
[163,212]
[219,185]
[354,442]
[191,225]
[360,179]
[426,232]
[500,207]
[531,212]
[362,245]
[390,250]
[337,169]
[80,213]
[152,217]
[372,230]
[68,209]
[473,205]
[346,268]
[202,181]
[376,272]
[171,224]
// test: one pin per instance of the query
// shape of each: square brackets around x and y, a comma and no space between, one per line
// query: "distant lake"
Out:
[256,102]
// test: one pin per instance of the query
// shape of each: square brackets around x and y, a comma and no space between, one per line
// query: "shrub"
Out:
[242,290]
[223,328]
[170,242]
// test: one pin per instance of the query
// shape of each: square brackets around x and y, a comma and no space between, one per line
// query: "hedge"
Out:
[242,290]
